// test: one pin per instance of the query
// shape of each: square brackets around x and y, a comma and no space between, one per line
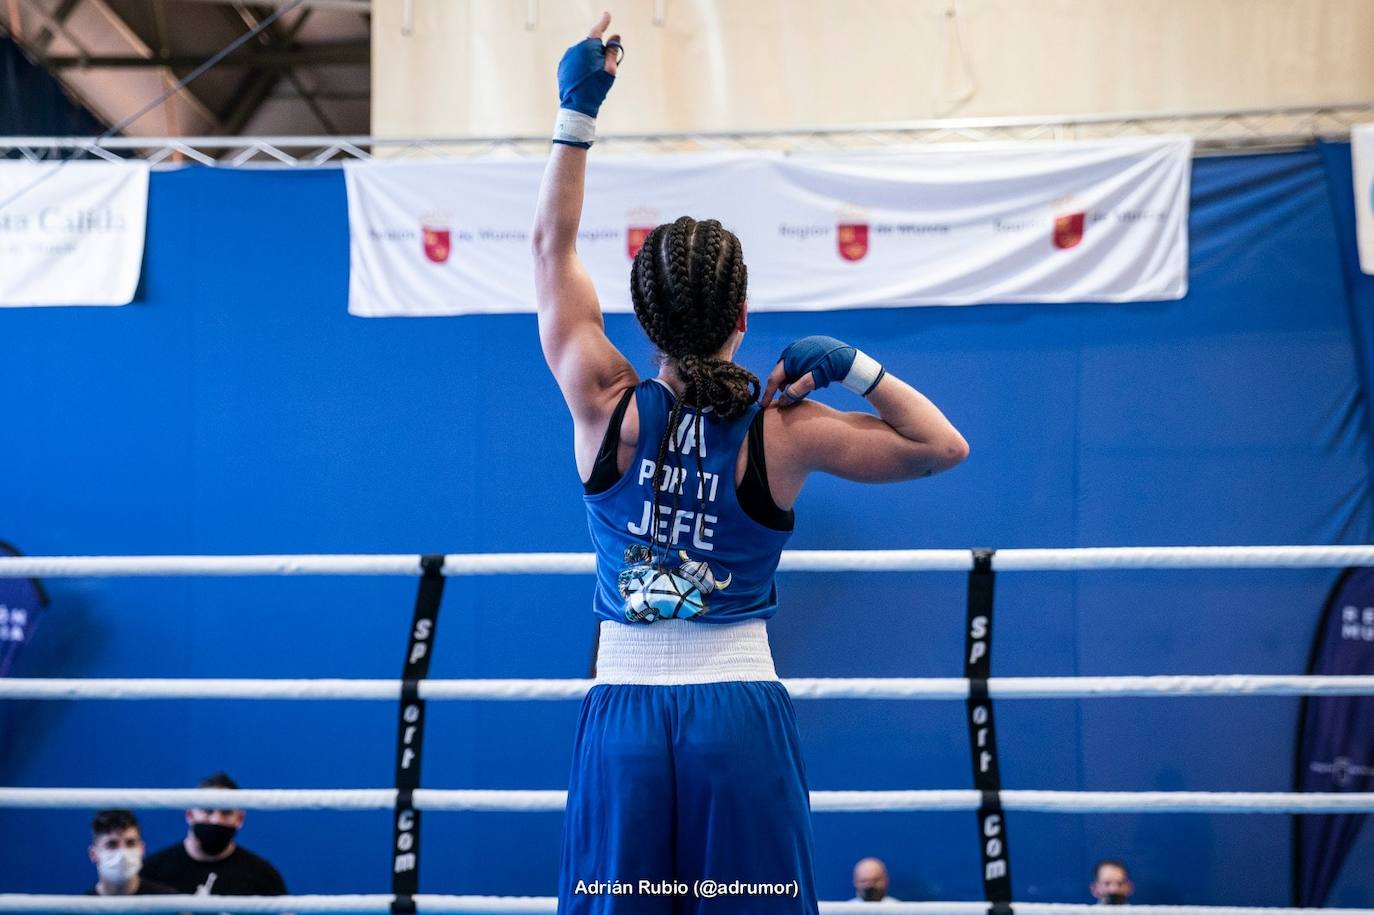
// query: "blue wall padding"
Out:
[237,408]
[1359,285]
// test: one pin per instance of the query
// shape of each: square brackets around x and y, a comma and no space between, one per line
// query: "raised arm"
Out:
[909,438]
[589,370]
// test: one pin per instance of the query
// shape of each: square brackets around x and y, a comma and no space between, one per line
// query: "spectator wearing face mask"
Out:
[209,861]
[870,881]
[1111,883]
[117,853]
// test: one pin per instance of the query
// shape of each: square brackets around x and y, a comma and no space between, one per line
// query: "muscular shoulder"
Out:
[793,438]
[797,433]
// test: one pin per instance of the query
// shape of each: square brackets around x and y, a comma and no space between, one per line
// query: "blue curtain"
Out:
[32,102]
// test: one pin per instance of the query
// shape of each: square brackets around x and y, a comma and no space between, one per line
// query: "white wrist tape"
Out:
[863,374]
[574,128]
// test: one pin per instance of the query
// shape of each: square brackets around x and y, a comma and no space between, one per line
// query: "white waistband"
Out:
[677,652]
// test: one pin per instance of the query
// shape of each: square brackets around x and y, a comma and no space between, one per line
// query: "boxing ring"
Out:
[978,689]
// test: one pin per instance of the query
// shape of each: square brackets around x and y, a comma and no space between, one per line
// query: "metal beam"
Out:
[358,6]
[330,96]
[59,17]
[140,46]
[1215,132]
[256,87]
[352,52]
[312,103]
[53,25]
[56,23]
[279,36]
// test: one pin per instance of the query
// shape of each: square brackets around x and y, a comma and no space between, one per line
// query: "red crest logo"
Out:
[852,240]
[1068,230]
[438,241]
[635,236]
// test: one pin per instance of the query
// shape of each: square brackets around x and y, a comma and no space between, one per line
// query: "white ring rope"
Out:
[547,905]
[552,800]
[1010,560]
[800,688]
[549,801]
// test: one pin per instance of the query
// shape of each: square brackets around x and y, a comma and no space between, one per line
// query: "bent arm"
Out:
[908,439]
[927,442]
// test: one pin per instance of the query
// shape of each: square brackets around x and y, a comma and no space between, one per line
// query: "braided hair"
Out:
[688,285]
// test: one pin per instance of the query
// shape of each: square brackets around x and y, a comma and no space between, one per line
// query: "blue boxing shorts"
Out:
[687,797]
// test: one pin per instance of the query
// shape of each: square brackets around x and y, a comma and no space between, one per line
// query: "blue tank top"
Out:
[704,559]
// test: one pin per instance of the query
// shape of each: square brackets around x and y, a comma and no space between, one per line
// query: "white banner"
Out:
[1362,159]
[71,233]
[1081,222]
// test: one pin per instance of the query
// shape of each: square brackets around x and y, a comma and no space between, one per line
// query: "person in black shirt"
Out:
[209,861]
[117,853]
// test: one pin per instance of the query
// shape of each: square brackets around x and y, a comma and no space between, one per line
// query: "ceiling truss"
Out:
[1214,133]
[313,62]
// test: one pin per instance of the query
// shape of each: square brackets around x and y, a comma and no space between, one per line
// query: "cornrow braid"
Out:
[688,284]
[719,383]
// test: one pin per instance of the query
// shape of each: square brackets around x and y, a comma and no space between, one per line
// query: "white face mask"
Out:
[118,866]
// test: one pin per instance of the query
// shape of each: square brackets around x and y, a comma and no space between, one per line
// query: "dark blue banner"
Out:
[33,103]
[1335,737]
[21,602]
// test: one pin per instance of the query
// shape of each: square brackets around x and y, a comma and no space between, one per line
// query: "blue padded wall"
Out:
[236,407]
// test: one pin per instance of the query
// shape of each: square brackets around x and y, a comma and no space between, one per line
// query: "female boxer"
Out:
[687,765]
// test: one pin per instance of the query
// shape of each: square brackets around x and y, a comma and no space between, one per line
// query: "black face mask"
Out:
[871,894]
[213,838]
[1114,899]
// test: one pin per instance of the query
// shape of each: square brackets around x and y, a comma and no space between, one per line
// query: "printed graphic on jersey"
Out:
[655,592]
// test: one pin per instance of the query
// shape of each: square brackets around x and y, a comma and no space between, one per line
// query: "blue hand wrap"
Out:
[582,78]
[828,360]
[825,358]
